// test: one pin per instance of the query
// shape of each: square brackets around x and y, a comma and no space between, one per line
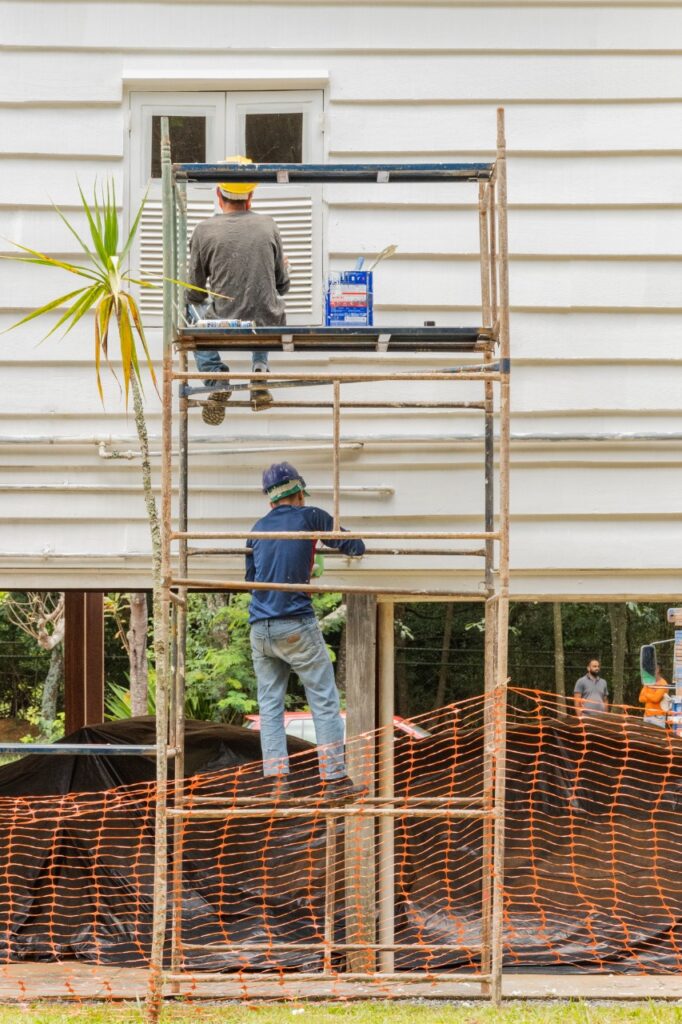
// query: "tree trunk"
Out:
[618,620]
[137,645]
[444,655]
[559,659]
[341,661]
[48,710]
[160,633]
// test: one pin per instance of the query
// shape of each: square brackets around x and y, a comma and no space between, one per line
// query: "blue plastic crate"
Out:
[348,299]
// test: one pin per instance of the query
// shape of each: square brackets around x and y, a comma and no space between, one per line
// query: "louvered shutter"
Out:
[293,215]
[151,251]
[296,209]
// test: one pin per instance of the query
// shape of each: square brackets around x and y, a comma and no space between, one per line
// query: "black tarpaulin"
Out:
[593,880]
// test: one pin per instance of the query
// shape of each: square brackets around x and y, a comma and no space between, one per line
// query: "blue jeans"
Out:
[277,647]
[209,361]
[658,720]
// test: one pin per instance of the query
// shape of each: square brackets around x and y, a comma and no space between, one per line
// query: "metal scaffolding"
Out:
[381,810]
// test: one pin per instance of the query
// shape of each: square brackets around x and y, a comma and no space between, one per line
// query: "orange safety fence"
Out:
[593,879]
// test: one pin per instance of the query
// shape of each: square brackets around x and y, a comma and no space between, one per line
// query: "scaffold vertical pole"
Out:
[178,689]
[162,608]
[500,695]
[336,453]
[386,784]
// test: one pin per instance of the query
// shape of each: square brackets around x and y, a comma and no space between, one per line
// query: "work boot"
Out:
[341,791]
[213,412]
[261,398]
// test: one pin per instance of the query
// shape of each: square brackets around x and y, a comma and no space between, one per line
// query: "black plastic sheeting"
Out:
[593,864]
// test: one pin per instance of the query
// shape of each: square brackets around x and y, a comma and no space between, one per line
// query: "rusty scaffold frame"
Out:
[383,809]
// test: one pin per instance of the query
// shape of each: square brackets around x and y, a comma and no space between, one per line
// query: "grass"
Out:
[354,1013]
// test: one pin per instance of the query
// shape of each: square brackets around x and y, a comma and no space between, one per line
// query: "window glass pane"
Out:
[274,138]
[309,730]
[188,141]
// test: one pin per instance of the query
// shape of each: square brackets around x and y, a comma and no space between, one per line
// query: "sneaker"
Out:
[261,398]
[213,412]
[342,790]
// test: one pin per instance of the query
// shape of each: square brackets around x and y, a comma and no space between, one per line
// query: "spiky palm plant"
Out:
[106,293]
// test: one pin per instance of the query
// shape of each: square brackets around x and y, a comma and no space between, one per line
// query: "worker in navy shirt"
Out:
[285,634]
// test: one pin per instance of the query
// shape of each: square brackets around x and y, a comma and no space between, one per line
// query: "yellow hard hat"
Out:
[237,189]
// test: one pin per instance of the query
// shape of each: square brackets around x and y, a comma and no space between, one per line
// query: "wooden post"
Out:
[83,659]
[359,832]
[488,787]
[385,784]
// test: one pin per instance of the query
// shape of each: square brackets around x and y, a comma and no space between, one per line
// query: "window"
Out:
[274,138]
[268,127]
[187,137]
[308,731]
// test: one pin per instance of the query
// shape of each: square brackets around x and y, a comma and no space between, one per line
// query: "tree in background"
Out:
[618,621]
[559,661]
[130,615]
[40,615]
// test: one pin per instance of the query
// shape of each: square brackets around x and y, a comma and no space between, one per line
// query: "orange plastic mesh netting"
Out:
[593,881]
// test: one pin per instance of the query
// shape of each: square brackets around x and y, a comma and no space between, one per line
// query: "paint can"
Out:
[349,299]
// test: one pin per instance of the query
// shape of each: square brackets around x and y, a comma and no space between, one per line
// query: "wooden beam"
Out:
[360,719]
[83,659]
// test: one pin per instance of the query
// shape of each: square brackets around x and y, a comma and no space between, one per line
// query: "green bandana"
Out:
[286,489]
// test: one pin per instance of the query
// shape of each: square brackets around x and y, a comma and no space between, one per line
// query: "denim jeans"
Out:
[658,720]
[277,647]
[209,361]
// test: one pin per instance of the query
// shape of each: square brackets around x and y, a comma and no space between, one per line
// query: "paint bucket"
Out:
[348,299]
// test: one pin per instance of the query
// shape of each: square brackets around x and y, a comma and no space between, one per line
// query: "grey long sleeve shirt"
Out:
[240,254]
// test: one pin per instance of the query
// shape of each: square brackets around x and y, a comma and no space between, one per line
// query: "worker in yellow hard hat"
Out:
[239,254]
[237,191]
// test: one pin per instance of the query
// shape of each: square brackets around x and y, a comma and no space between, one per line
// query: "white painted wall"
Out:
[594,118]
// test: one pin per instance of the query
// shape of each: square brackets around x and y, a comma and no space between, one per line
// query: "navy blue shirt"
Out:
[288,561]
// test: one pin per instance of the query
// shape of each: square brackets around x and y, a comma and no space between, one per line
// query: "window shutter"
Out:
[294,218]
[293,215]
[151,251]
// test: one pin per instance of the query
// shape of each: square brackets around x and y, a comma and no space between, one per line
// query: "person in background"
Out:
[240,253]
[286,636]
[654,698]
[591,692]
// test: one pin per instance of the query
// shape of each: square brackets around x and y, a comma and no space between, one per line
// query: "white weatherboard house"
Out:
[593,98]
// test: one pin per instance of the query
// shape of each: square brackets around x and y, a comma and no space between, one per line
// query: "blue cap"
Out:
[282,480]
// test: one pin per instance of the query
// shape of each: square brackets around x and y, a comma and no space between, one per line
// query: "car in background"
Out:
[300,723]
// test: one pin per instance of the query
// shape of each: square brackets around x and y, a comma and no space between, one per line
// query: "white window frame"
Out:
[226,113]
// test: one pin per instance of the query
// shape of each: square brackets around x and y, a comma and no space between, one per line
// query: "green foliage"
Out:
[371,1011]
[43,731]
[23,667]
[219,667]
[117,702]
[586,630]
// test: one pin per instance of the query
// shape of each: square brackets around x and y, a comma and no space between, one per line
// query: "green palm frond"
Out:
[107,288]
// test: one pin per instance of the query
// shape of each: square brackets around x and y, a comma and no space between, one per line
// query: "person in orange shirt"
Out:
[653,697]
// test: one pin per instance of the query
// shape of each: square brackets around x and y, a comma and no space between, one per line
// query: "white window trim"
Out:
[257,83]
[215,80]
